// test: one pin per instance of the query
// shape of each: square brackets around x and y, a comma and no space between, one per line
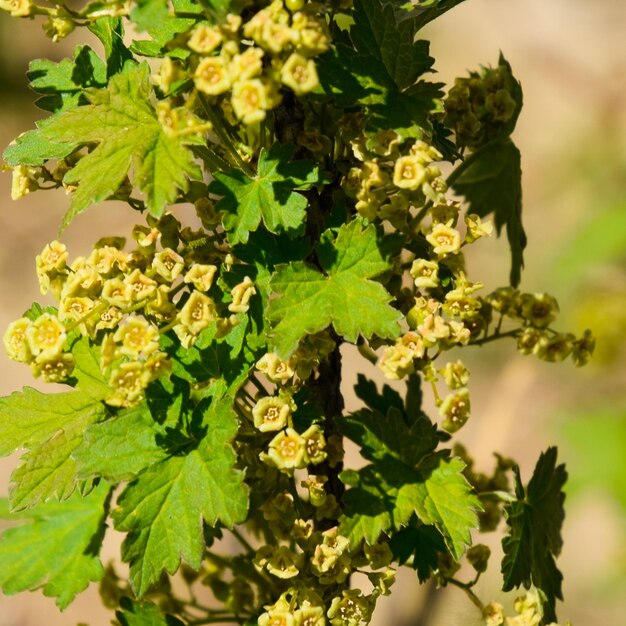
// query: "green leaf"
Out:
[29,418]
[154,17]
[87,370]
[269,196]
[534,537]
[122,447]
[380,70]
[147,14]
[57,549]
[32,147]
[47,470]
[125,127]
[51,426]
[221,7]
[63,84]
[143,614]
[307,301]
[164,509]
[423,544]
[380,436]
[378,35]
[405,477]
[384,496]
[424,13]
[491,181]
[110,31]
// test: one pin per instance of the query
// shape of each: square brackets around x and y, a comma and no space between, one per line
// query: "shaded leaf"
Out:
[164,509]
[534,537]
[62,84]
[491,181]
[423,544]
[143,614]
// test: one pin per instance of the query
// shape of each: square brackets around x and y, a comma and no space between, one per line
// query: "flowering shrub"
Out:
[203,361]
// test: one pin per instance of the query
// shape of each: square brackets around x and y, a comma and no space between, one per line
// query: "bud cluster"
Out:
[478,107]
[527,612]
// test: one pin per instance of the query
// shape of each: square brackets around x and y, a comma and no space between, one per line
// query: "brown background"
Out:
[570,56]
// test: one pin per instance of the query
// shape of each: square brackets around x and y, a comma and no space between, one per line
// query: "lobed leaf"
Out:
[306,301]
[534,536]
[269,197]
[57,549]
[491,181]
[164,509]
[63,84]
[124,126]
[387,493]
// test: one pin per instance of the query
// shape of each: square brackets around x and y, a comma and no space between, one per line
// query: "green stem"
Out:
[484,340]
[503,496]
[96,310]
[214,160]
[225,139]
[242,540]
[217,620]
[468,591]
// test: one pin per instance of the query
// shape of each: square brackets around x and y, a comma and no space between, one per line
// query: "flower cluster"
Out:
[322,563]
[527,612]
[243,67]
[479,107]
[123,302]
[289,450]
[392,176]
[536,312]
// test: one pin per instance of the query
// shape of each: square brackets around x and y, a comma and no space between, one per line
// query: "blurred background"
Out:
[570,56]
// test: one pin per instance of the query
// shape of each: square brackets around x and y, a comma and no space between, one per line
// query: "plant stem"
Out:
[327,388]
[484,340]
[242,540]
[225,139]
[470,594]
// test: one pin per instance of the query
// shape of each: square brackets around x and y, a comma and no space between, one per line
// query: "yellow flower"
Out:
[141,286]
[248,64]
[128,382]
[425,273]
[286,450]
[17,8]
[455,409]
[197,313]
[55,369]
[300,74]
[275,368]
[212,76]
[46,336]
[271,414]
[250,101]
[168,264]
[201,276]
[15,342]
[22,182]
[137,336]
[204,39]
[409,172]
[444,240]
